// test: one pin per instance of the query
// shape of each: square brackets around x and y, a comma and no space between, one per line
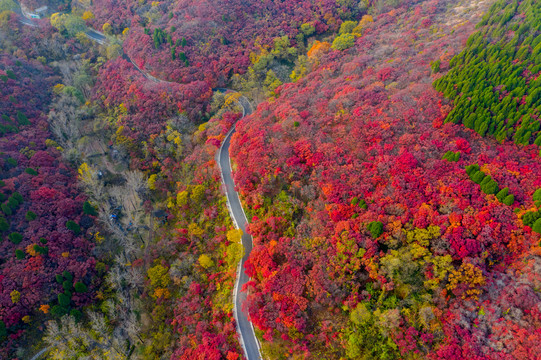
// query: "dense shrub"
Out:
[15,237]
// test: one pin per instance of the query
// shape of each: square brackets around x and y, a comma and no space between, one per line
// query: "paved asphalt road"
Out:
[96,36]
[39,354]
[24,20]
[245,328]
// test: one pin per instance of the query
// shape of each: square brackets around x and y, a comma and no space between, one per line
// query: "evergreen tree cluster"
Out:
[65,298]
[533,218]
[488,185]
[160,37]
[12,203]
[7,125]
[494,81]
[451,156]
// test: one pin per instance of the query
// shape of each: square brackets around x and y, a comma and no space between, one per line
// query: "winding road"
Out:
[248,340]
[96,36]
[22,18]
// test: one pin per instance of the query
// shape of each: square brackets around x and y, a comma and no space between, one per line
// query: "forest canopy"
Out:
[233,179]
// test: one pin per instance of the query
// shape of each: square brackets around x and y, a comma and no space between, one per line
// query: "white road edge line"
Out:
[239,269]
[237,280]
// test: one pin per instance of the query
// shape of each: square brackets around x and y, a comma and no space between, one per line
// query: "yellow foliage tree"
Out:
[318,48]
[86,174]
[195,230]
[122,139]
[98,238]
[152,181]
[56,21]
[235,252]
[15,296]
[122,110]
[234,235]
[87,15]
[58,88]
[347,27]
[470,276]
[182,198]
[343,42]
[441,267]
[161,293]
[172,135]
[198,192]
[158,276]
[358,30]
[231,99]
[30,250]
[422,236]
[308,29]
[205,261]
[361,314]
[82,38]
[107,28]
[68,22]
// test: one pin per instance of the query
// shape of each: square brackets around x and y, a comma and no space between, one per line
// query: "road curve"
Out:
[96,36]
[92,34]
[245,328]
[22,17]
[40,353]
[248,340]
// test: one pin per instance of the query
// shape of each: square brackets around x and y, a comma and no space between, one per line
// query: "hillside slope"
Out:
[373,238]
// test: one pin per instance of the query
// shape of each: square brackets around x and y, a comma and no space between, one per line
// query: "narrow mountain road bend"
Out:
[92,34]
[248,340]
[40,353]
[96,36]
[22,18]
[245,328]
